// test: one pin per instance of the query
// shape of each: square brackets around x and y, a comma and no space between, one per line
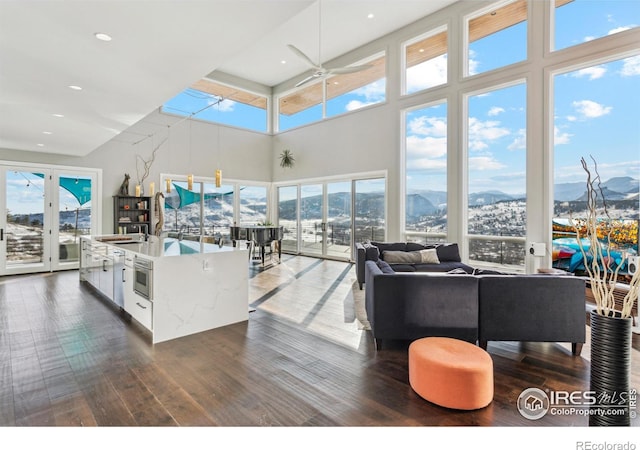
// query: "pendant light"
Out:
[190,176]
[218,173]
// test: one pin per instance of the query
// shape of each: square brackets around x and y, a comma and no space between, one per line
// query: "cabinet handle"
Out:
[1,234]
[143,307]
[124,272]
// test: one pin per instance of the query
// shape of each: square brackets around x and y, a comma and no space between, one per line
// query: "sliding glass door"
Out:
[325,219]
[312,224]
[337,234]
[288,217]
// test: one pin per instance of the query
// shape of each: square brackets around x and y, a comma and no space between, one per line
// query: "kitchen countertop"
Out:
[159,247]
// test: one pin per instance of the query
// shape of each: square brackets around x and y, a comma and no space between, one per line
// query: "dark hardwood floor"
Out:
[68,358]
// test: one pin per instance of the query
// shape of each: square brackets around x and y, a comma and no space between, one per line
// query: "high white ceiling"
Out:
[159,47]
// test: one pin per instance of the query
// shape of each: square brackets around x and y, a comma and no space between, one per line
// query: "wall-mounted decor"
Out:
[286,159]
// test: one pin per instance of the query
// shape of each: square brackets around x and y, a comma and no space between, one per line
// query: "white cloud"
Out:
[560,138]
[480,132]
[357,104]
[589,109]
[427,74]
[572,118]
[619,29]
[495,111]
[426,147]
[593,73]
[428,126]
[372,92]
[485,163]
[226,105]
[631,66]
[520,141]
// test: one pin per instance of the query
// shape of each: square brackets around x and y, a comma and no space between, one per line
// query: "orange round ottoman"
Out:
[451,373]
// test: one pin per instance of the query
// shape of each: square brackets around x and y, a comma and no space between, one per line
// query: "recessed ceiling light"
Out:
[57,115]
[370,16]
[283,62]
[102,36]
[421,50]
[47,132]
[75,88]
[40,145]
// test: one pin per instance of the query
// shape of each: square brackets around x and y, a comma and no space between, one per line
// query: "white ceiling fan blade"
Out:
[306,80]
[351,69]
[298,52]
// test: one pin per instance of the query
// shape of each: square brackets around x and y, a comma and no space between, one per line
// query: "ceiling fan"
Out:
[318,70]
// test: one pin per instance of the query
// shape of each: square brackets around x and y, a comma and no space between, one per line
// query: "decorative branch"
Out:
[146,164]
[601,267]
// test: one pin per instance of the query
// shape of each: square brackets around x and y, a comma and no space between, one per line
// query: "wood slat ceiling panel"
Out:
[427,49]
[497,20]
[301,100]
[341,84]
[336,86]
[230,93]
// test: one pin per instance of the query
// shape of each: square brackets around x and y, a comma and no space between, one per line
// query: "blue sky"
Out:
[595,110]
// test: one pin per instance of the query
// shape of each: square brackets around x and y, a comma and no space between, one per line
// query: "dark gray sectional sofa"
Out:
[448,257]
[467,304]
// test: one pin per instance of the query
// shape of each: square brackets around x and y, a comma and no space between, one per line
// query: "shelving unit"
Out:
[130,214]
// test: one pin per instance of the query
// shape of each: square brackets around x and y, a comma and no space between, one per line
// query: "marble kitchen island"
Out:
[174,287]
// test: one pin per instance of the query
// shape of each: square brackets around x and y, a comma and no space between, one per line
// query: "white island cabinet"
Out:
[192,286]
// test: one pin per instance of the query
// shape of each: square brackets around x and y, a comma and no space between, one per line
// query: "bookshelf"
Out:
[130,214]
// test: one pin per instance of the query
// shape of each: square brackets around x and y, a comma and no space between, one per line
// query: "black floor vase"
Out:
[610,370]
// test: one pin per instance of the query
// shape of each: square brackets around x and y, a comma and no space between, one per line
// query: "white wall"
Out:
[244,155]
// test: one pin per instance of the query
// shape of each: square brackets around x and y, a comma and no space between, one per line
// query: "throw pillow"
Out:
[429,256]
[398,257]
[384,267]
[448,252]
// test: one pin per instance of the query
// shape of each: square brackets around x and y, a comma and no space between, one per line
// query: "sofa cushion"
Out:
[403,267]
[396,257]
[443,267]
[390,246]
[429,256]
[414,246]
[384,266]
[448,252]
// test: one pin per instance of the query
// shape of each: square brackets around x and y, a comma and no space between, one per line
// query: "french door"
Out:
[45,210]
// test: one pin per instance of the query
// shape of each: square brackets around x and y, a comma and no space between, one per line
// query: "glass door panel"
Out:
[217,212]
[311,219]
[338,229]
[253,205]
[24,240]
[74,214]
[369,220]
[288,217]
